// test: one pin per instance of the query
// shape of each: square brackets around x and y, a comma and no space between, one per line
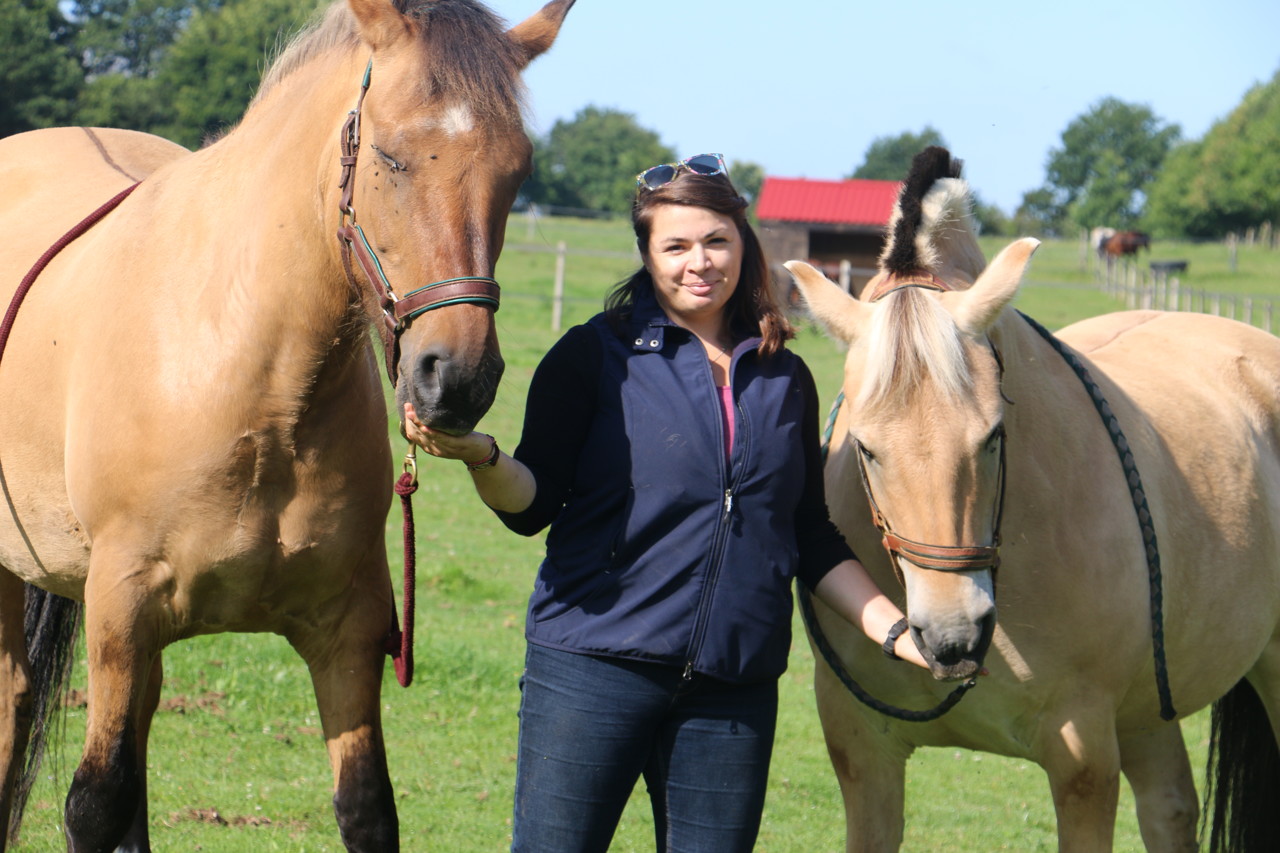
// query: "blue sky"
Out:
[803,87]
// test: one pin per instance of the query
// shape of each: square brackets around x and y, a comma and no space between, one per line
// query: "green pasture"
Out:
[237,762]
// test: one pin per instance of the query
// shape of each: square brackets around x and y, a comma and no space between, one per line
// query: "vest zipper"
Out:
[722,528]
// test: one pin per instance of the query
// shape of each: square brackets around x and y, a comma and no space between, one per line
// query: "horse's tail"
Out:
[1242,779]
[52,624]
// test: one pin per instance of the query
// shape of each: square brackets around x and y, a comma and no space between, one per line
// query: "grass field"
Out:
[237,762]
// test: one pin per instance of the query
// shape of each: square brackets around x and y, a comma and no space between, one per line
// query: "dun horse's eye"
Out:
[866,454]
[396,165]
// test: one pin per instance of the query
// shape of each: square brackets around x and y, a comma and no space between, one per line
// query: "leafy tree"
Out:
[991,219]
[591,161]
[213,69]
[1109,156]
[131,36]
[1038,213]
[748,177]
[888,158]
[39,74]
[1230,180]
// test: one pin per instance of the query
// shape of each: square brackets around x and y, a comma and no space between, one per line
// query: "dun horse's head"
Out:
[442,152]
[925,418]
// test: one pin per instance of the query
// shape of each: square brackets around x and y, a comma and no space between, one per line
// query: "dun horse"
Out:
[954,405]
[193,436]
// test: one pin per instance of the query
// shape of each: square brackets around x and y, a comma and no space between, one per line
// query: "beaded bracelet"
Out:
[487,462]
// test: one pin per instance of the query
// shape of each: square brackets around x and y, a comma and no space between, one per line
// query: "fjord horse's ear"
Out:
[380,21]
[536,34]
[976,309]
[843,317]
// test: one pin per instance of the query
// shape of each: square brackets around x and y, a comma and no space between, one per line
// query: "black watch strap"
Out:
[898,629]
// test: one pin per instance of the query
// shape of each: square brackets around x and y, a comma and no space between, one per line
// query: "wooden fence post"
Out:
[557,298]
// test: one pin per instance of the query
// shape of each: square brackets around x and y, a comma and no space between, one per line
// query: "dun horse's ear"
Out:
[976,309]
[843,317]
[380,21]
[536,34]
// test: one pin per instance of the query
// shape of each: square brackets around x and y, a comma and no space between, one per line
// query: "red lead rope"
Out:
[400,643]
[30,278]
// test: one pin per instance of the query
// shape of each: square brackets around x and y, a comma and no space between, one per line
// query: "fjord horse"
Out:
[193,435]
[955,406]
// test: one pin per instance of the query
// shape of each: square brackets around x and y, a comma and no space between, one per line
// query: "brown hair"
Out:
[751,310]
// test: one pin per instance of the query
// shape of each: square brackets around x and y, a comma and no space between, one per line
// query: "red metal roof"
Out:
[852,202]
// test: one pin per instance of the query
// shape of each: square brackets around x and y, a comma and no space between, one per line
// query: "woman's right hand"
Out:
[470,448]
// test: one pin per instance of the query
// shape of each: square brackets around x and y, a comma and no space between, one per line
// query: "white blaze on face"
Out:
[456,120]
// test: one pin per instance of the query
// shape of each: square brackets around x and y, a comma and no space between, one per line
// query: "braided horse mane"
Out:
[931,236]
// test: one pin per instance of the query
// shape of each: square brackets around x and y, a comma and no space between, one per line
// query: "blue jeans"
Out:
[591,726]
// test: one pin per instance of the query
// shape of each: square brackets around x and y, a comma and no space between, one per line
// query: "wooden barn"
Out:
[838,226]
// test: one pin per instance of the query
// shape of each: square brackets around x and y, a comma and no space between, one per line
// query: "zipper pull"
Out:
[688,672]
[728,501]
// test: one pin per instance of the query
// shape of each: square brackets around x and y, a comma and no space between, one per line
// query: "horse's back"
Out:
[53,178]
[1184,353]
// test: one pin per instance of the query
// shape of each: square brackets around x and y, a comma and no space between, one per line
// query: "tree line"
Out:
[186,69]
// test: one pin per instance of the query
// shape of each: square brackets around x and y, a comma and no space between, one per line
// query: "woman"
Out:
[671,443]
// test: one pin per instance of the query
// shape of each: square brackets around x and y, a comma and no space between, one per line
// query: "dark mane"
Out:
[930,165]
[470,58]
[467,56]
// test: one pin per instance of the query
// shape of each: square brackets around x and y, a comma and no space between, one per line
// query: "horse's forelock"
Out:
[912,339]
[470,58]
[467,56]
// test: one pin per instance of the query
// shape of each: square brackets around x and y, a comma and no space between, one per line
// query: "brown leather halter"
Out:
[940,558]
[397,311]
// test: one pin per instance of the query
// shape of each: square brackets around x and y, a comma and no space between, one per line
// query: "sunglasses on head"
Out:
[699,164]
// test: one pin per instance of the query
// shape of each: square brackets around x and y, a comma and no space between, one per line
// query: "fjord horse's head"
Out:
[442,152]
[925,409]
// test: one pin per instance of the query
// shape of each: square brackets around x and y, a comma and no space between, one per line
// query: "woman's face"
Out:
[695,258]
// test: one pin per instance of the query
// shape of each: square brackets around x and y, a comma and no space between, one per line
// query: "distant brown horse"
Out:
[975,437]
[193,433]
[1126,243]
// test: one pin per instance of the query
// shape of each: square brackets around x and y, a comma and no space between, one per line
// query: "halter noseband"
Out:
[397,311]
[939,558]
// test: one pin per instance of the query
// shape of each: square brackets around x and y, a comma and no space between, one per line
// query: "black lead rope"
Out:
[859,693]
[1145,521]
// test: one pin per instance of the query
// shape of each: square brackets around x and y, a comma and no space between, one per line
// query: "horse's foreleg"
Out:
[346,664]
[15,700]
[108,787]
[1155,763]
[1081,755]
[138,838]
[870,768]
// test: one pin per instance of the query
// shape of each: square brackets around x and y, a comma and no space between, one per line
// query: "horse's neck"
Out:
[279,170]
[1050,406]
[273,280]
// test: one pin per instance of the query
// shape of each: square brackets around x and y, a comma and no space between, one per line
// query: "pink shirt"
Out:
[726,407]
